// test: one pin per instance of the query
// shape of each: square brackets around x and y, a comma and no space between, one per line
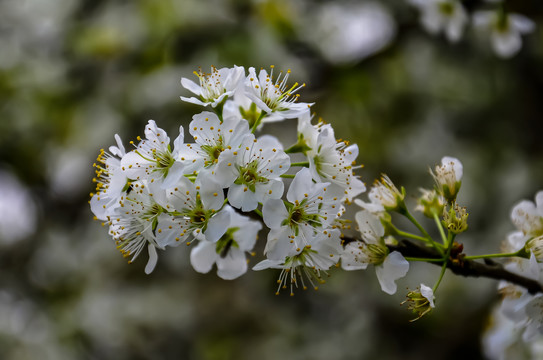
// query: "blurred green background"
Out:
[75,72]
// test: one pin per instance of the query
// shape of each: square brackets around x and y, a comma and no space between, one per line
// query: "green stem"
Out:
[423,259]
[257,122]
[436,245]
[443,268]
[441,231]
[302,163]
[409,235]
[258,212]
[287,176]
[518,253]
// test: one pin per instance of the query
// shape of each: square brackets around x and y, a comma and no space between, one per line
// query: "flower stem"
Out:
[258,121]
[409,235]
[302,163]
[441,231]
[287,176]
[423,259]
[436,245]
[443,268]
[258,212]
[487,256]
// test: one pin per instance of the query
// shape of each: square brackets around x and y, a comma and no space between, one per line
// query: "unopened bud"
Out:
[430,203]
[456,219]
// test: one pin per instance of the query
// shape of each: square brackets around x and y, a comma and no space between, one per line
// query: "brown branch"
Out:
[467,268]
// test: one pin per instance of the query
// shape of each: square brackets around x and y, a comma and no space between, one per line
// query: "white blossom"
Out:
[446,16]
[528,216]
[133,224]
[383,196]
[153,159]
[215,87]
[330,159]
[448,177]
[212,136]
[111,182]
[193,208]
[229,251]
[312,207]
[505,30]
[252,172]
[371,249]
[322,253]
[273,96]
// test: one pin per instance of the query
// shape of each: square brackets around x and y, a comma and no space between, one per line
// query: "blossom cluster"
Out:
[450,17]
[162,193]
[520,314]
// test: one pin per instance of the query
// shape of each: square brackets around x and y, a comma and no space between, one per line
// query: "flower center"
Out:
[226,242]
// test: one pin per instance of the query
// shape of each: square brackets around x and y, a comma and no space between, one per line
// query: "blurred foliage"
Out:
[74,73]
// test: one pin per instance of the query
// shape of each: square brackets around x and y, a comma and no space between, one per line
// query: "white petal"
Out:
[274,212]
[203,256]
[153,257]
[300,185]
[210,192]
[233,265]
[179,139]
[370,226]
[522,23]
[174,174]
[394,267]
[191,86]
[268,264]
[217,226]
[350,257]
[506,44]
[428,293]
[279,246]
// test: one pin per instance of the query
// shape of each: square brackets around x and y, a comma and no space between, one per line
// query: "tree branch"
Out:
[467,268]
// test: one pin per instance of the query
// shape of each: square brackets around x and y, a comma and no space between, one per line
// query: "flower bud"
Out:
[420,301]
[456,219]
[448,177]
[430,203]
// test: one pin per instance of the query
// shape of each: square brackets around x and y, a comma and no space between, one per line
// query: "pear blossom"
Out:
[215,87]
[505,30]
[229,251]
[133,224]
[420,301]
[274,97]
[358,254]
[448,177]
[193,208]
[322,253]
[528,217]
[312,207]
[383,196]
[330,160]
[153,158]
[212,137]
[252,172]
[111,182]
[448,16]
[430,203]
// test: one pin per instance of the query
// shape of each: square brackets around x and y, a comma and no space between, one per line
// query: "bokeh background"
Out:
[75,72]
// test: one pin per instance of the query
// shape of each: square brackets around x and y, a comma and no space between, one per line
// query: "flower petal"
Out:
[394,267]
